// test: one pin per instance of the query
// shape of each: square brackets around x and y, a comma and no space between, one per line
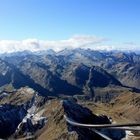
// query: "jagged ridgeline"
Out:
[37,89]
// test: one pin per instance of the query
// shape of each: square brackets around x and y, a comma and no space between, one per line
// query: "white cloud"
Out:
[82,41]
[77,41]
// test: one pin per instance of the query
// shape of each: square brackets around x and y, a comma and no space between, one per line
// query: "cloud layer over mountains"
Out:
[77,41]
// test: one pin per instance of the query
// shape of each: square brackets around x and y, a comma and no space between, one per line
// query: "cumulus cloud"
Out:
[77,41]
[8,46]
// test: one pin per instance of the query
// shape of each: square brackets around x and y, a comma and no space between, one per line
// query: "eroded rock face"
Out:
[10,117]
[18,109]
[84,115]
[29,126]
[57,127]
[33,120]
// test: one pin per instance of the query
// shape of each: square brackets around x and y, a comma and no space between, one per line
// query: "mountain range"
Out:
[72,69]
[38,88]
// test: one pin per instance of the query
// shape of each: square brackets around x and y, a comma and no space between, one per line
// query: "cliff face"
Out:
[10,117]
[18,108]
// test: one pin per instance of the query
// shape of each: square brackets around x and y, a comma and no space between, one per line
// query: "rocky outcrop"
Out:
[85,116]
[57,127]
[17,110]
[33,120]
[10,117]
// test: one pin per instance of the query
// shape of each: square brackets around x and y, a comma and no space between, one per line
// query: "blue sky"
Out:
[117,20]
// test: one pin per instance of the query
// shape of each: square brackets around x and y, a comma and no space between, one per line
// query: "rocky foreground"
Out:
[26,115]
